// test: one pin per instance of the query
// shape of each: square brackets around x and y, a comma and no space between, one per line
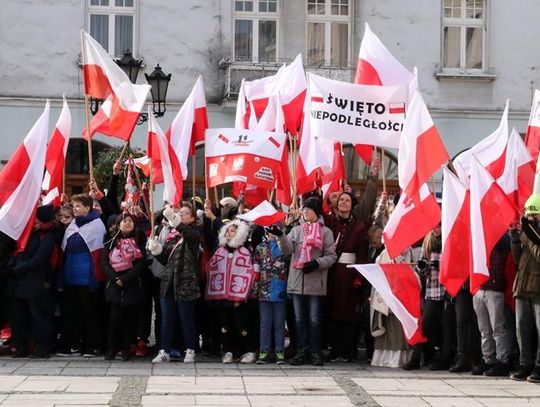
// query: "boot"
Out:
[414,363]
[522,373]
[460,365]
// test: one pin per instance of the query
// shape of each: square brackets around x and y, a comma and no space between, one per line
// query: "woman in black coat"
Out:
[124,263]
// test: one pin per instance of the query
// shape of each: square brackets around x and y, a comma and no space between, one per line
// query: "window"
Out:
[112,24]
[255,25]
[464,35]
[328,32]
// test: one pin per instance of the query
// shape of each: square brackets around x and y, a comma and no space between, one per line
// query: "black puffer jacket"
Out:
[31,270]
[132,290]
[181,259]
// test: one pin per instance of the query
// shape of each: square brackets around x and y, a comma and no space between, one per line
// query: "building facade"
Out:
[471,55]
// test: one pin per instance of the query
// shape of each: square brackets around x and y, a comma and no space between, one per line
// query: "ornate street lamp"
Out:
[130,66]
[159,82]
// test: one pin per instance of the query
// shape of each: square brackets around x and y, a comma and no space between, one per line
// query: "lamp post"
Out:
[158,80]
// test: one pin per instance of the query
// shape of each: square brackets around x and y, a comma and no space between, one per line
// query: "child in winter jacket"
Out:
[124,263]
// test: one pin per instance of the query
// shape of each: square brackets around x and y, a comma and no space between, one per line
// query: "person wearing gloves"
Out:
[311,245]
[27,288]
[124,263]
[525,247]
[179,280]
[231,276]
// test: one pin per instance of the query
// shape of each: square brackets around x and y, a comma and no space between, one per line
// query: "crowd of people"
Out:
[94,279]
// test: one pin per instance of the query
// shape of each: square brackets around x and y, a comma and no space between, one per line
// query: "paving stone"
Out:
[87,371]
[509,402]
[46,400]
[291,385]
[69,384]
[393,401]
[412,387]
[300,401]
[8,383]
[195,385]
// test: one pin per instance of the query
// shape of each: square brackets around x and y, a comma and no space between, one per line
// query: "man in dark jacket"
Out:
[525,247]
[28,289]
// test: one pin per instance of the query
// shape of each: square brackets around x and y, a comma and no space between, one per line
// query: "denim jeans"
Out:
[186,315]
[272,314]
[527,317]
[307,315]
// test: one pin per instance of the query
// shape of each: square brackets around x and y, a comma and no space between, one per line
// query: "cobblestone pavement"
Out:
[76,381]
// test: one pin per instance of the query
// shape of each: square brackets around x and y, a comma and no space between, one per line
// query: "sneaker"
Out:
[263,358]
[280,358]
[333,356]
[499,369]
[140,349]
[227,358]
[300,358]
[316,359]
[535,375]
[92,353]
[68,352]
[522,374]
[162,357]
[190,356]
[460,365]
[248,357]
[479,370]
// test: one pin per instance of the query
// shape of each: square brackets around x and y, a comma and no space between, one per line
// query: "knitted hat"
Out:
[314,204]
[228,201]
[45,213]
[532,206]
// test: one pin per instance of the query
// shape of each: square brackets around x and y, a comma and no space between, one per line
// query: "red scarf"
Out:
[124,252]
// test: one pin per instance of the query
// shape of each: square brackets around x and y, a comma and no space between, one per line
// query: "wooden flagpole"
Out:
[123,151]
[87,111]
[193,174]
[139,185]
[383,170]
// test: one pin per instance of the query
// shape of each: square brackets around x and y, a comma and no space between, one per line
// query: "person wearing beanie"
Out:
[28,288]
[311,245]
[525,246]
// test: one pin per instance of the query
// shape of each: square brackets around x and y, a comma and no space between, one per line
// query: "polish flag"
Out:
[490,152]
[377,66]
[314,154]
[21,180]
[143,163]
[532,138]
[517,179]
[243,118]
[172,175]
[253,195]
[491,215]
[56,155]
[455,266]
[399,287]
[104,79]
[263,214]
[249,156]
[186,131]
[331,181]
[421,150]
[154,157]
[291,87]
[258,93]
[412,218]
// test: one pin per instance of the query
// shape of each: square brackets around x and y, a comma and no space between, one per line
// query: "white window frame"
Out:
[256,16]
[111,10]
[463,23]
[327,19]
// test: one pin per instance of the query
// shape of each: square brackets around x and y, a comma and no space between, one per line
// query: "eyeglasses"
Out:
[183,213]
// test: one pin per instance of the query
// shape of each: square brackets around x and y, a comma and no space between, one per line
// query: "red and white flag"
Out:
[332,181]
[263,214]
[249,156]
[143,163]
[188,127]
[56,156]
[490,152]
[243,118]
[532,138]
[412,218]
[517,179]
[258,92]
[399,287]
[291,87]
[491,215]
[170,167]
[456,261]
[314,154]
[21,179]
[421,150]
[154,157]
[377,66]
[104,79]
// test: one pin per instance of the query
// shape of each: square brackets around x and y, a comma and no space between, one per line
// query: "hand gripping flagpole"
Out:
[87,110]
